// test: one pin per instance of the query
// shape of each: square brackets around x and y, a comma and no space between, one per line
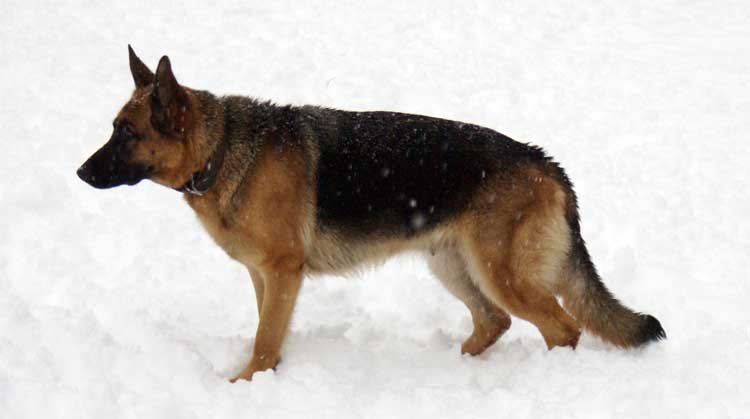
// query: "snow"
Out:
[116,304]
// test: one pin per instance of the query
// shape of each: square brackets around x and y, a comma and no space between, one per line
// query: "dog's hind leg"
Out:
[490,321]
[519,263]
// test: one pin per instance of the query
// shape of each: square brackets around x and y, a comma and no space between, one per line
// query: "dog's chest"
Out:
[230,238]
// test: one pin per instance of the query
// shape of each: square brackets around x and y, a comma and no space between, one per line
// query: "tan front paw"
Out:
[477,343]
[256,365]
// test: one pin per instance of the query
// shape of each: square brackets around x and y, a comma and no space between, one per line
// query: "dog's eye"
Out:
[127,132]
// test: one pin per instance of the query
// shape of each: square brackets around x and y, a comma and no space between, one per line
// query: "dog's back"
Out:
[394,174]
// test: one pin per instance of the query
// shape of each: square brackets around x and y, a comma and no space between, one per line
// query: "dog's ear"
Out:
[142,76]
[169,101]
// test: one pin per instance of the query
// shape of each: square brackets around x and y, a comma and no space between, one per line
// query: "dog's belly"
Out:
[330,253]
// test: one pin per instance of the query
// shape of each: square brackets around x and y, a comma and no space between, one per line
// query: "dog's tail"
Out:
[598,311]
[587,298]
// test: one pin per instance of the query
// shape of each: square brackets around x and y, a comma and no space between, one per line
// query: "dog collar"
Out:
[201,181]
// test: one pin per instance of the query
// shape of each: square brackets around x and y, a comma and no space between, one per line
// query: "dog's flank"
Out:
[290,191]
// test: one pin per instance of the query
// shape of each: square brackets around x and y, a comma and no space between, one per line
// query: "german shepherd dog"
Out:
[292,191]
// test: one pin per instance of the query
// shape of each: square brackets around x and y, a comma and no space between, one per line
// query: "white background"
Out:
[116,304]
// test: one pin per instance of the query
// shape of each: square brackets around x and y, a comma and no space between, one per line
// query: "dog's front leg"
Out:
[260,287]
[281,285]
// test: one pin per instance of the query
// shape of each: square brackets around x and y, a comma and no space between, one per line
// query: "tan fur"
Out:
[509,245]
[514,249]
[264,231]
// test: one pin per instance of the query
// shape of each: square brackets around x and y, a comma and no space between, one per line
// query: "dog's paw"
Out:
[252,368]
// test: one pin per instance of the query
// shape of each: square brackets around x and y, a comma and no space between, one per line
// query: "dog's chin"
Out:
[134,181]
[111,183]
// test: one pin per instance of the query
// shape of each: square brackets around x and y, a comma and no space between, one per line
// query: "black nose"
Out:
[83,173]
[88,174]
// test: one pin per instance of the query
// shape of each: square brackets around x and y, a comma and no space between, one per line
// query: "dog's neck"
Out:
[241,125]
[203,179]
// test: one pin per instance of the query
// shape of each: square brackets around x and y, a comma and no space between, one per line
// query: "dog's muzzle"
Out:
[107,169]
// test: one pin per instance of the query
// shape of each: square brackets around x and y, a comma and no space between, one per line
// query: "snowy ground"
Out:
[116,304]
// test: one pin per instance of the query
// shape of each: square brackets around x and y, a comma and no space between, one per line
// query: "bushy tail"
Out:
[597,310]
[586,297]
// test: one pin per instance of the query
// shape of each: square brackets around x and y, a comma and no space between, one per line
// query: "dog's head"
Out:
[152,133]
